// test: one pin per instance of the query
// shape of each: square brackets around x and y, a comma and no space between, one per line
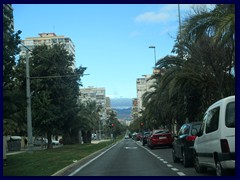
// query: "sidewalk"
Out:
[35,148]
[98,141]
[39,148]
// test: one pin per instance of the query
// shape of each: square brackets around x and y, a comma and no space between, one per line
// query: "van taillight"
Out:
[190,138]
[224,146]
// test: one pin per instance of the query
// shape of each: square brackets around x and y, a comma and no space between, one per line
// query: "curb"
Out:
[68,169]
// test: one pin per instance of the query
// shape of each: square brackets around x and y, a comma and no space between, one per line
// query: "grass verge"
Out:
[47,162]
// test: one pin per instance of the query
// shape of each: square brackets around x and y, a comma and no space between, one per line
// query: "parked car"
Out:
[126,136]
[139,136]
[94,136]
[55,142]
[61,141]
[182,146]
[38,141]
[144,138]
[214,145]
[160,137]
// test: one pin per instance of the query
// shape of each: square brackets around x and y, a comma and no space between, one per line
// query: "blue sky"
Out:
[110,40]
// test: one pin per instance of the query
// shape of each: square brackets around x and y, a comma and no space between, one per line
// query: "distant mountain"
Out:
[121,103]
[123,113]
[123,107]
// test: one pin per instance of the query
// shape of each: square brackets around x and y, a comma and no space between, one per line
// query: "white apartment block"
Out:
[49,39]
[143,85]
[97,95]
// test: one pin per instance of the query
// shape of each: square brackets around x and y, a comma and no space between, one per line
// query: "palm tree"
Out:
[218,23]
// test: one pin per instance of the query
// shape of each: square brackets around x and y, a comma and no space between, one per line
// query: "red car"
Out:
[160,137]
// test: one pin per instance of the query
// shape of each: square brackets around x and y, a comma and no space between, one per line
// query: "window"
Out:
[201,129]
[212,120]
[186,129]
[230,115]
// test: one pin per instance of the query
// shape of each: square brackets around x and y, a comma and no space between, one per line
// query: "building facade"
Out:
[48,39]
[94,94]
[8,7]
[143,85]
[134,108]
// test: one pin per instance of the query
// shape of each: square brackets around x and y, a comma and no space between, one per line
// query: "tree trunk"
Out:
[49,137]
[89,136]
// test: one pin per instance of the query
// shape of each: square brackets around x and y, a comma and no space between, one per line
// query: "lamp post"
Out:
[154,54]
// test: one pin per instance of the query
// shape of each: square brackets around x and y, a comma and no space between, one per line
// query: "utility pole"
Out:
[179,21]
[99,129]
[29,110]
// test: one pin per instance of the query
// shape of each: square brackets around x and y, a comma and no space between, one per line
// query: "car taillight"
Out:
[190,138]
[224,146]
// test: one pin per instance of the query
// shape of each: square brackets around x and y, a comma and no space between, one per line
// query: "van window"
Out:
[230,115]
[212,120]
[202,126]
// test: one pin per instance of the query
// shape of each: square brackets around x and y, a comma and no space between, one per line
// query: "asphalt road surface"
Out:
[130,158]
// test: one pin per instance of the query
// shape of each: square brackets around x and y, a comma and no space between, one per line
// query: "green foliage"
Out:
[48,162]
[12,94]
[113,125]
[200,73]
[55,90]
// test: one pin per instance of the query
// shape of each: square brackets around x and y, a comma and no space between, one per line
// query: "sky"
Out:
[112,41]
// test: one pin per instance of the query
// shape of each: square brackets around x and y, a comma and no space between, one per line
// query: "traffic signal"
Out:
[141,124]
[111,125]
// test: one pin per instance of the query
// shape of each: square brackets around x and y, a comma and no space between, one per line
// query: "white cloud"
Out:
[165,13]
[134,34]
[152,17]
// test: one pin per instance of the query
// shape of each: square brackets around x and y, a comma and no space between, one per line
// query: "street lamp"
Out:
[154,54]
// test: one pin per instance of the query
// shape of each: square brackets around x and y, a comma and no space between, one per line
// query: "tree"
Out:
[55,90]
[88,118]
[200,73]
[12,96]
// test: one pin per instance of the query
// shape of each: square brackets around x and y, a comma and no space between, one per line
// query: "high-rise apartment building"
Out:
[96,95]
[134,108]
[48,39]
[143,85]
[93,94]
[8,7]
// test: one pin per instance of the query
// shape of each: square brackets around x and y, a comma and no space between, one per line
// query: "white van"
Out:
[214,146]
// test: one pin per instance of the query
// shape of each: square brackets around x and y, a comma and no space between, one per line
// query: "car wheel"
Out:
[186,162]
[219,170]
[198,168]
[175,159]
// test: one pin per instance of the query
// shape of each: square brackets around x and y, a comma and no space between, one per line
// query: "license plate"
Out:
[163,137]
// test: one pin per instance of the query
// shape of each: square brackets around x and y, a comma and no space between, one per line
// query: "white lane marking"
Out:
[181,174]
[81,167]
[165,162]
[130,147]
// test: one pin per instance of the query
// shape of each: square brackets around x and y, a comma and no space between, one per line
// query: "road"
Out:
[130,158]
